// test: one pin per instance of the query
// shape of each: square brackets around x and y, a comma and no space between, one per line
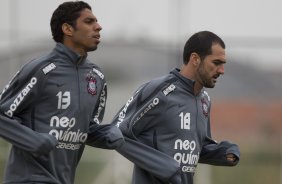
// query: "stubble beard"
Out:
[204,79]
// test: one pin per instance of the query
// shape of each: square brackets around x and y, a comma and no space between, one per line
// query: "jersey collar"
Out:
[187,83]
[70,54]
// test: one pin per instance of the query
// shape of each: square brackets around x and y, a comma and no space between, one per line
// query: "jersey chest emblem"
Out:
[91,83]
[205,107]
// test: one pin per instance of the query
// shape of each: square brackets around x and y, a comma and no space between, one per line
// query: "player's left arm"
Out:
[224,153]
[106,136]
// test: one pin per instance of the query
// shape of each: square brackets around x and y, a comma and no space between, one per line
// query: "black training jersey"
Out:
[49,111]
[167,130]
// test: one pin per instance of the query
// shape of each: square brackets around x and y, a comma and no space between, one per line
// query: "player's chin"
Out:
[210,85]
[92,48]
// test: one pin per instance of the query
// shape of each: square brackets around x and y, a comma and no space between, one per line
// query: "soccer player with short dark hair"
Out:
[54,105]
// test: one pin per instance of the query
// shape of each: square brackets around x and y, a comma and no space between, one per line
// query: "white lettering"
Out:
[49,68]
[169,89]
[148,108]
[98,73]
[69,136]
[68,146]
[206,93]
[62,122]
[123,111]
[20,97]
[188,169]
[184,145]
[102,105]
[186,158]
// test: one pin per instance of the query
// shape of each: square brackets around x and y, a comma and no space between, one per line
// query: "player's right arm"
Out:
[17,97]
[151,160]
[134,119]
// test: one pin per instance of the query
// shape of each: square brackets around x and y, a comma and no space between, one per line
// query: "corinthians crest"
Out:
[205,107]
[91,85]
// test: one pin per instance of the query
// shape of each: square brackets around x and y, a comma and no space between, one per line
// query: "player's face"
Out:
[86,34]
[212,67]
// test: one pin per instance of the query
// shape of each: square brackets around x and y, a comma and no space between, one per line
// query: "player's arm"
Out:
[221,154]
[13,131]
[151,160]
[137,116]
[18,96]
[106,136]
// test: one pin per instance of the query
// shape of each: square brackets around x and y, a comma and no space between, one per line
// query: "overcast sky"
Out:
[162,20]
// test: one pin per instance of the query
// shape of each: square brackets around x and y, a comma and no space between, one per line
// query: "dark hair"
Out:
[67,12]
[201,44]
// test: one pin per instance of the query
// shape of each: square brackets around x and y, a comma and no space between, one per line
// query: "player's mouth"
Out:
[97,38]
[214,78]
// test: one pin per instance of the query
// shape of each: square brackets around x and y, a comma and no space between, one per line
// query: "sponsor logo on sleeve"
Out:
[169,89]
[147,108]
[102,105]
[98,73]
[18,100]
[49,68]
[205,93]
[122,113]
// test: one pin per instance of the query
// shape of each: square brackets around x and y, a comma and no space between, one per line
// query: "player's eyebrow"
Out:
[218,61]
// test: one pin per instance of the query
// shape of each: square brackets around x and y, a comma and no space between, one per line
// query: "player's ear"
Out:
[67,29]
[195,59]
